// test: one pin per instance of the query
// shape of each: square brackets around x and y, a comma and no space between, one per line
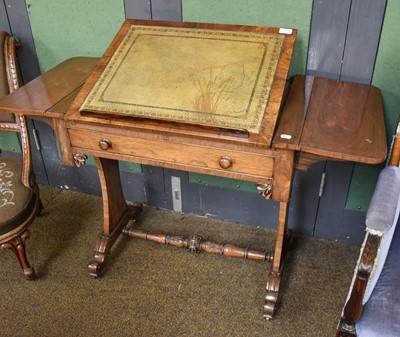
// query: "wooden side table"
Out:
[321,119]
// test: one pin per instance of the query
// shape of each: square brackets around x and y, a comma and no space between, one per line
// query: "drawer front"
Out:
[169,154]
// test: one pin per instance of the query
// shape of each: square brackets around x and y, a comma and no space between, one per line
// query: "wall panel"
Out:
[138,9]
[362,39]
[170,10]
[20,27]
[350,51]
[387,68]
[327,38]
[283,13]
[4,24]
[386,78]
[63,29]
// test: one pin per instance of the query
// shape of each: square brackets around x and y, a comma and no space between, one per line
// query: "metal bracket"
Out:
[36,138]
[176,194]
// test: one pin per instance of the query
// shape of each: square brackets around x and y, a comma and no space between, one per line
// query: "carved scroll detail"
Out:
[173,240]
[272,293]
[369,255]
[213,247]
[194,243]
[265,190]
[354,307]
[80,159]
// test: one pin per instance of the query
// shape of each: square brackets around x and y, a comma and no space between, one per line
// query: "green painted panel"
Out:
[222,182]
[362,186]
[387,67]
[283,13]
[63,29]
[124,166]
[386,78]
[9,142]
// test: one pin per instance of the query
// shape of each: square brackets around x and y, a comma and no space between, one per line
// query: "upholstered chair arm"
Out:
[381,221]
[382,210]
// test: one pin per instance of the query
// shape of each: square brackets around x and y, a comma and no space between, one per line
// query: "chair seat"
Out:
[381,312]
[17,202]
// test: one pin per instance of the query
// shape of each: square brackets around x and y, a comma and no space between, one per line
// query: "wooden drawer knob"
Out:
[105,144]
[225,162]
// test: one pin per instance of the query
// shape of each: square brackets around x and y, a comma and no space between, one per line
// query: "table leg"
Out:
[283,171]
[277,266]
[116,213]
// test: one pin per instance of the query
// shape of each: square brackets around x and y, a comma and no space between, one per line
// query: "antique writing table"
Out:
[203,98]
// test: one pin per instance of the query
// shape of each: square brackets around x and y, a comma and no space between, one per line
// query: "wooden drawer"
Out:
[169,154]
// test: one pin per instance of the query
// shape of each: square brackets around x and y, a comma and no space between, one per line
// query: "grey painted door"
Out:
[343,45]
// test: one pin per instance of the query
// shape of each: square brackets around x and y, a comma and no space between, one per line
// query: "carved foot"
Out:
[271,297]
[101,253]
[274,281]
[346,329]
[17,245]
[105,242]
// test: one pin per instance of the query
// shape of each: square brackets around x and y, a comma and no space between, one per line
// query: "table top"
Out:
[334,119]
[190,75]
[51,94]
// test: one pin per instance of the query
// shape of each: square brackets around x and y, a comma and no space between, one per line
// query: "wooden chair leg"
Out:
[17,245]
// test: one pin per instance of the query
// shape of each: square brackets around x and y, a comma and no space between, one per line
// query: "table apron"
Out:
[189,157]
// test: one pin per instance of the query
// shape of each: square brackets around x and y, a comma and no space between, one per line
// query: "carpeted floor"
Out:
[156,290]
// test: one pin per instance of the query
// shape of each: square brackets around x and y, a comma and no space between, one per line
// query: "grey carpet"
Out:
[157,290]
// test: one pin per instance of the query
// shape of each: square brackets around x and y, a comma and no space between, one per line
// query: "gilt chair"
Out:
[373,303]
[19,193]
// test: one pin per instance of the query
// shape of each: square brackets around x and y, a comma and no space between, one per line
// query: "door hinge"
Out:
[36,138]
[322,185]
[176,194]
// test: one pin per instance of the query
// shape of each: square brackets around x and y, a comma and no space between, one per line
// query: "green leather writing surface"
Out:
[208,77]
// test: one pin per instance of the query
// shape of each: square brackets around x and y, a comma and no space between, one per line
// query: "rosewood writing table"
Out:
[221,113]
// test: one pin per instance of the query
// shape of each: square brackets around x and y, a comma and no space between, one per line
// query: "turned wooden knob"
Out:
[225,162]
[105,144]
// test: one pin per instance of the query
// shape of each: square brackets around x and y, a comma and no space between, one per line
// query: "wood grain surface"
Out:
[339,120]
[38,97]
[345,120]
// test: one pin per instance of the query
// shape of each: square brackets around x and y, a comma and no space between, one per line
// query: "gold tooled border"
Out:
[258,101]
